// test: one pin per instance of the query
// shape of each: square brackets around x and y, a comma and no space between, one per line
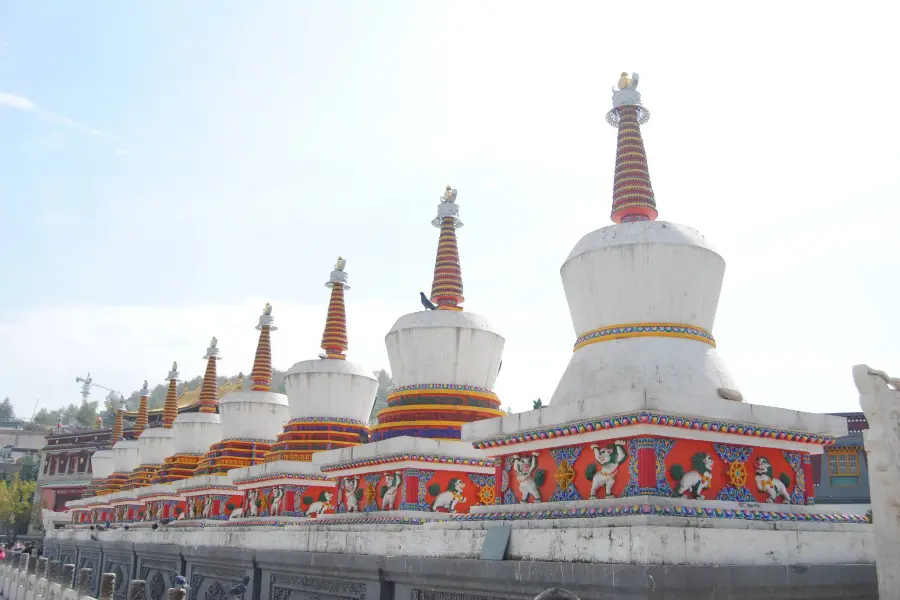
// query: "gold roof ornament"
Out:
[268,309]
[624,80]
[340,264]
[449,196]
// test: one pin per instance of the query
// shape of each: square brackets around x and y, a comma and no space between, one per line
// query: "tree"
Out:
[16,498]
[537,404]
[6,409]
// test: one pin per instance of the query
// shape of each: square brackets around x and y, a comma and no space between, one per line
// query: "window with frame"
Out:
[843,466]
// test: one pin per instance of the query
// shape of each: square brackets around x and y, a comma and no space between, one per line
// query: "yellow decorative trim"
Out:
[633,330]
[443,392]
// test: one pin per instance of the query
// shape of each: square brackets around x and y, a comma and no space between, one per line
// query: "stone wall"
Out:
[292,575]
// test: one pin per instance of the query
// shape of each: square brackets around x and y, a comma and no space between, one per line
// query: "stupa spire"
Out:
[633,198]
[118,424]
[143,411]
[261,375]
[447,286]
[170,409]
[209,398]
[334,339]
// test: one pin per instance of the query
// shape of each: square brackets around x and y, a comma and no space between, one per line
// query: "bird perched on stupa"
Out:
[428,304]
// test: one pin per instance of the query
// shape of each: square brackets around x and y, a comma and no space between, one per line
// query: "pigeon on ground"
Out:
[125,527]
[180,582]
[155,526]
[92,527]
[95,538]
[428,304]
[165,521]
[239,589]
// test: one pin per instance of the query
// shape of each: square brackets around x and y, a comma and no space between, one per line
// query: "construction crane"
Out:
[88,383]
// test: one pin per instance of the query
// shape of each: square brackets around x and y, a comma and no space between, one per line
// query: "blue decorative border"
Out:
[570,455]
[664,511]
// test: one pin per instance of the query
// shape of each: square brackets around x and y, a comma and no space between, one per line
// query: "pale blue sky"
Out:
[167,167]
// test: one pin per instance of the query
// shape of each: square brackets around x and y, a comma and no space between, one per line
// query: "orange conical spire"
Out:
[334,340]
[143,411]
[118,427]
[633,198]
[261,375]
[447,287]
[170,409]
[209,398]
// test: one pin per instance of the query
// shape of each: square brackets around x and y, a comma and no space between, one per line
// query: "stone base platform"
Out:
[292,575]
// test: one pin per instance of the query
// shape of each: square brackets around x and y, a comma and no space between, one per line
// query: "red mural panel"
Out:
[596,470]
[289,500]
[415,489]
[661,466]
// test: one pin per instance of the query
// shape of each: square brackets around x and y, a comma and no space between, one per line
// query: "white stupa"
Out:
[330,400]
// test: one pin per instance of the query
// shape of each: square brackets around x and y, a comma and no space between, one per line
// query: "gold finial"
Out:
[268,309]
[624,80]
[340,264]
[449,195]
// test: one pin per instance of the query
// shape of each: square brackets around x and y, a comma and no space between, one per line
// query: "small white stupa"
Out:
[330,402]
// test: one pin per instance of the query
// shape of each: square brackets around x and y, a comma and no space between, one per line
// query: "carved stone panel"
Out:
[90,559]
[305,587]
[417,594]
[210,582]
[120,564]
[159,575]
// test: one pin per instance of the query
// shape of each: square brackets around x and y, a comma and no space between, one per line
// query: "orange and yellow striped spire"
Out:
[334,340]
[633,198]
[170,409]
[209,399]
[143,411]
[261,375]
[118,424]
[447,287]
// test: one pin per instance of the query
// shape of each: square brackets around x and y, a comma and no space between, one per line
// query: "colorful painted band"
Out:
[648,418]
[426,458]
[443,388]
[441,408]
[632,330]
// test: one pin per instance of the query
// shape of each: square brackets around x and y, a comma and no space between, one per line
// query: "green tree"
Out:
[16,498]
[536,404]
[6,409]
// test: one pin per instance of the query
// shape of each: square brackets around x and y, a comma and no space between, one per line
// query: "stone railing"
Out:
[28,577]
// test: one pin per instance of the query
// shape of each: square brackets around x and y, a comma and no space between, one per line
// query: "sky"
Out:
[166,168]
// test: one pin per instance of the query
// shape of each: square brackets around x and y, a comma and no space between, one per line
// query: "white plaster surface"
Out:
[639,542]
[155,445]
[126,456]
[330,388]
[444,346]
[660,400]
[196,432]
[278,467]
[157,490]
[188,486]
[102,464]
[397,445]
[256,415]
[643,272]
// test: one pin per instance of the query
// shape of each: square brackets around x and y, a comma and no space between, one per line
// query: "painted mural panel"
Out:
[654,466]
[289,500]
[415,489]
